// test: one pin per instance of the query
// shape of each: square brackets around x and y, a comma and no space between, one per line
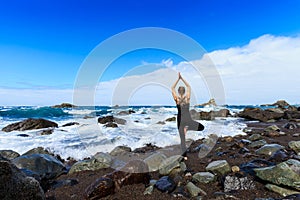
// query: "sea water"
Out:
[89,137]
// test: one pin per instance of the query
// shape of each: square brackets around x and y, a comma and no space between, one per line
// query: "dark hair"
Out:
[181,90]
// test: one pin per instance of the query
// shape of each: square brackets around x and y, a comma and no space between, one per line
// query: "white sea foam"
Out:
[88,138]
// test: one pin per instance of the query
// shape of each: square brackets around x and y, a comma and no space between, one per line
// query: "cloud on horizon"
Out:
[262,71]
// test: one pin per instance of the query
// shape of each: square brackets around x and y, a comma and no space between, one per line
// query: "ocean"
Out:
[89,137]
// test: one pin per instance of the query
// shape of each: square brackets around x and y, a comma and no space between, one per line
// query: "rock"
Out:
[109,183]
[171,119]
[272,128]
[165,184]
[235,183]
[268,149]
[290,125]
[99,161]
[235,169]
[126,112]
[286,173]
[248,167]
[102,187]
[107,119]
[292,197]
[37,150]
[46,132]
[23,135]
[70,124]
[278,156]
[29,124]
[211,102]
[258,143]
[120,150]
[246,142]
[292,115]
[149,190]
[255,137]
[296,135]
[260,115]
[204,177]
[244,150]
[155,160]
[211,115]
[111,125]
[16,185]
[281,104]
[64,105]
[169,164]
[282,191]
[219,167]
[46,166]
[194,190]
[295,145]
[9,154]
[161,123]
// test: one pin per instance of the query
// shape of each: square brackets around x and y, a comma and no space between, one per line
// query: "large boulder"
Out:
[153,161]
[16,185]
[46,166]
[169,164]
[211,115]
[286,173]
[269,149]
[281,104]
[29,124]
[292,114]
[260,115]
[99,161]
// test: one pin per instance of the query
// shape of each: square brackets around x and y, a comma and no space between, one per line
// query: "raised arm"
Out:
[188,92]
[173,89]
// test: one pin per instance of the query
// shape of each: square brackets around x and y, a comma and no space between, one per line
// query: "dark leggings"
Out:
[192,125]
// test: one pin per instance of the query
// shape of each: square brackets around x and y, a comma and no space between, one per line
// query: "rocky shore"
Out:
[263,164]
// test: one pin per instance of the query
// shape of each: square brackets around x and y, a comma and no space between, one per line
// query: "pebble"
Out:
[235,169]
[204,177]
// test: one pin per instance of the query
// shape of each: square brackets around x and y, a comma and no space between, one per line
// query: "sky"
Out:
[254,45]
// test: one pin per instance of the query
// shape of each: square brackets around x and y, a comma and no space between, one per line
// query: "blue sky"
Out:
[43,43]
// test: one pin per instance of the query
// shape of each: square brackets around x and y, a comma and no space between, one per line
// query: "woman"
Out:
[184,120]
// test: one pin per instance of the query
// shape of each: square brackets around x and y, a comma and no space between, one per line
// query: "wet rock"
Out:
[268,149]
[46,131]
[155,160]
[171,119]
[255,137]
[110,119]
[161,123]
[219,167]
[235,183]
[64,105]
[120,150]
[102,187]
[194,190]
[16,185]
[280,190]
[9,154]
[99,161]
[278,156]
[286,173]
[204,177]
[111,125]
[258,143]
[248,167]
[46,166]
[295,145]
[211,115]
[30,124]
[126,112]
[169,164]
[272,128]
[260,115]
[70,124]
[23,135]
[165,184]
[37,150]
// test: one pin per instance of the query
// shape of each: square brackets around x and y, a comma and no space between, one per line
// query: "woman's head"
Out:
[181,90]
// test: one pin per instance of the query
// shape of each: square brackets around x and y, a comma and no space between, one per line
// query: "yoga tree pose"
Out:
[184,119]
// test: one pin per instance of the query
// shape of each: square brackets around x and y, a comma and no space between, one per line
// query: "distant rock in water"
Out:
[29,124]
[15,184]
[109,119]
[260,115]
[211,102]
[64,105]
[70,124]
[126,112]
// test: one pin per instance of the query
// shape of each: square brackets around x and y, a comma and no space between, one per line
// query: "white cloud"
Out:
[262,71]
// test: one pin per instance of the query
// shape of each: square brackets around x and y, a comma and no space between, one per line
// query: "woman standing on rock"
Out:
[184,119]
